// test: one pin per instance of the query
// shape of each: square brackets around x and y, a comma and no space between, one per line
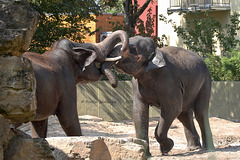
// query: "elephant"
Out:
[57,72]
[174,80]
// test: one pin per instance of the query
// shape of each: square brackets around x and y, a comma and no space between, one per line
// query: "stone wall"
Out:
[18,23]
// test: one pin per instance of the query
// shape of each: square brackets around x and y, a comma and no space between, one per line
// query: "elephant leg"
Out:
[186,118]
[39,128]
[68,118]
[140,117]
[201,110]
[166,118]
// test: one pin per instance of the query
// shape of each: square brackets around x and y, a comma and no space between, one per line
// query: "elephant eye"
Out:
[97,64]
[133,50]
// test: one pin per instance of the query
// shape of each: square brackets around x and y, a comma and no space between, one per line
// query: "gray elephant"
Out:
[172,79]
[58,71]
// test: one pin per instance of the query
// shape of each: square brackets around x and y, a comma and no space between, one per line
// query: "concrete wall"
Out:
[100,99]
[225,100]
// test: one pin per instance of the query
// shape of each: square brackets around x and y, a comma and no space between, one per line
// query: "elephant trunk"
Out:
[106,70]
[105,47]
[108,44]
[106,66]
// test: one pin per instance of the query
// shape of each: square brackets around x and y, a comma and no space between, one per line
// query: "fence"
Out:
[100,99]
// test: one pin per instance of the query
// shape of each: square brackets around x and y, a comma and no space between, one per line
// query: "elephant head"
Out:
[86,55]
[141,55]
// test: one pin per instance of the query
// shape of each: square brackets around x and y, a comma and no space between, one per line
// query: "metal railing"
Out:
[198,4]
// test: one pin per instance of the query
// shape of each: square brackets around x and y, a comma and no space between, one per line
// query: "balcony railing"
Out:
[196,5]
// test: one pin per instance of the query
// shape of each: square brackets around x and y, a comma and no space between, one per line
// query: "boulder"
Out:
[23,147]
[18,23]
[97,148]
[79,148]
[5,134]
[126,148]
[17,89]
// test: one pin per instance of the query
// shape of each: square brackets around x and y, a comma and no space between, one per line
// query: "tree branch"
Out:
[141,10]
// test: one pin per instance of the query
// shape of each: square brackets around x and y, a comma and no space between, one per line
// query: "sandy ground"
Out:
[226,135]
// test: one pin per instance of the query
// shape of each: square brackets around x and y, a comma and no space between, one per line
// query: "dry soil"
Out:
[226,135]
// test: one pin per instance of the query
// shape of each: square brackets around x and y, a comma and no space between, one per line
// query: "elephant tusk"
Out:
[113,59]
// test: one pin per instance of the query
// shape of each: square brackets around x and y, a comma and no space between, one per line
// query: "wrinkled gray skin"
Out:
[172,79]
[58,71]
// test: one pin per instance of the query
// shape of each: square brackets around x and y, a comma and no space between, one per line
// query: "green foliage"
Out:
[61,19]
[231,66]
[132,12]
[146,30]
[225,68]
[214,65]
[227,35]
[201,34]
[111,6]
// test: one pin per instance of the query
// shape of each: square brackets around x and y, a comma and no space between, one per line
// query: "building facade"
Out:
[104,23]
[219,9]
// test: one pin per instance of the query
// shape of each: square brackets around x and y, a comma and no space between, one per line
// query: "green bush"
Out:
[214,65]
[225,68]
[231,67]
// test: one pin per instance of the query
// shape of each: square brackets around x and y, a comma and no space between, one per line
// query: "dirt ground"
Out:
[226,135]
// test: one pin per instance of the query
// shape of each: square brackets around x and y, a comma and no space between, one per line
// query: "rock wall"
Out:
[18,23]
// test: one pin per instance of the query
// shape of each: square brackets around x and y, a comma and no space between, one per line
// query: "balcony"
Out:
[198,5]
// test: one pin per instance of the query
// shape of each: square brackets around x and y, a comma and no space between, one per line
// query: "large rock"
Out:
[17,89]
[23,147]
[126,148]
[65,148]
[18,23]
[97,148]
[5,134]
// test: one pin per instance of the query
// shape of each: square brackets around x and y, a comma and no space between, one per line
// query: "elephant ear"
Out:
[79,54]
[156,61]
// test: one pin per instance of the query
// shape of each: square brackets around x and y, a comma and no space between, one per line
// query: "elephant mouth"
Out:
[108,59]
[106,69]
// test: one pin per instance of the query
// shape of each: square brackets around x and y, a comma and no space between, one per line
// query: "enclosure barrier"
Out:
[101,100]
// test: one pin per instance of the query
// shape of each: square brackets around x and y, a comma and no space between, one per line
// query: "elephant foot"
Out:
[166,145]
[193,148]
[148,154]
[165,154]
[209,149]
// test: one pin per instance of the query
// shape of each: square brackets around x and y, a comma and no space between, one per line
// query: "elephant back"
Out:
[64,44]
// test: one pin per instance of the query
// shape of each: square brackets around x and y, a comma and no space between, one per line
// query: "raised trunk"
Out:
[108,44]
[103,49]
